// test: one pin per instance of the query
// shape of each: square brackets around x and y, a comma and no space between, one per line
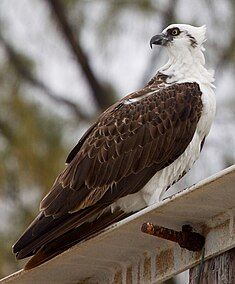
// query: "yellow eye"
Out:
[175,32]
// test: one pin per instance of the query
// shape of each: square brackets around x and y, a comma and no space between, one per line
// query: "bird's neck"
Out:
[187,65]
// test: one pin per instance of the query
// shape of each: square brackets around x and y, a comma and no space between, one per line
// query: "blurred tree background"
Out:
[64,61]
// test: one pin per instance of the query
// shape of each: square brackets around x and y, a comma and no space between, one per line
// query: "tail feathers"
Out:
[27,236]
[73,237]
[40,225]
[45,229]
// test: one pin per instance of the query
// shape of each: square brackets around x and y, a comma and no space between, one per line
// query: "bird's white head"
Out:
[184,44]
[180,37]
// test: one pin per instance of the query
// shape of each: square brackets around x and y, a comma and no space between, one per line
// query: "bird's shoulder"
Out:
[158,106]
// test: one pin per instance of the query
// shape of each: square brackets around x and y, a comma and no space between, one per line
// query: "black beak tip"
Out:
[155,40]
[160,39]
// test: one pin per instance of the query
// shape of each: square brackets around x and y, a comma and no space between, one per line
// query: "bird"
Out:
[138,148]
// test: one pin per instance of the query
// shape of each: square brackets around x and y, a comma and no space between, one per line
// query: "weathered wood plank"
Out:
[218,270]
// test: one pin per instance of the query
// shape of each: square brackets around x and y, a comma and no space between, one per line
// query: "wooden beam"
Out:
[217,270]
[123,254]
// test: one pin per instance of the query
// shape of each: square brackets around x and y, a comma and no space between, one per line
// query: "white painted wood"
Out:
[124,253]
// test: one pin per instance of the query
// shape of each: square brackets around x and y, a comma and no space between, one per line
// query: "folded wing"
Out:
[117,156]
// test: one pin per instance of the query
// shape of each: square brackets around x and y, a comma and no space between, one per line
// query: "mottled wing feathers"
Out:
[76,149]
[147,129]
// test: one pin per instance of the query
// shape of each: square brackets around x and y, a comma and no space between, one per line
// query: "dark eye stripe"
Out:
[192,40]
[173,31]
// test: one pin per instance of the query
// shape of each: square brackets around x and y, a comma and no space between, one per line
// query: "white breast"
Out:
[166,177]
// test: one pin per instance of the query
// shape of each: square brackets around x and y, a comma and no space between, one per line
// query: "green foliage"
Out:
[35,141]
[32,154]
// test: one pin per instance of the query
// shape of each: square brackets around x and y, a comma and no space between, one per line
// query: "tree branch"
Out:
[98,91]
[25,73]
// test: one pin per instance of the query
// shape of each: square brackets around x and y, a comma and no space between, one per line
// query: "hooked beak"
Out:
[161,39]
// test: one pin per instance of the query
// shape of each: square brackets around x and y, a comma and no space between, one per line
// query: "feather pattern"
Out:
[131,141]
[160,122]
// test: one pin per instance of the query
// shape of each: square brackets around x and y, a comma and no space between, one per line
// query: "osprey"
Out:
[132,154]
